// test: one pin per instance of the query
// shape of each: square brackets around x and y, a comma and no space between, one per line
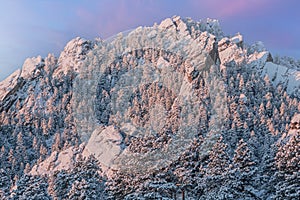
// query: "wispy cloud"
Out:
[109,17]
[230,8]
[236,7]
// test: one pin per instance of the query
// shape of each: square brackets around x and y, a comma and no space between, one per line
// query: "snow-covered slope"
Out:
[172,107]
[278,74]
[202,44]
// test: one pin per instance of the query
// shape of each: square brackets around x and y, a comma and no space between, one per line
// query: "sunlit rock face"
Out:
[144,85]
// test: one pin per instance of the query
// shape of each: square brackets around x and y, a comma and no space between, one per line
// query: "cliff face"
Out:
[156,100]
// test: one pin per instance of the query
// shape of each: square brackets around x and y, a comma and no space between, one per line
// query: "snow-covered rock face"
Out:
[257,58]
[284,75]
[30,70]
[72,57]
[8,85]
[230,49]
[63,160]
[143,85]
[105,144]
[167,23]
[129,67]
[278,74]
[31,67]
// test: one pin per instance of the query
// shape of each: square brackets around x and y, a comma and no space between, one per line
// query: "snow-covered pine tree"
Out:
[59,184]
[31,188]
[5,182]
[87,179]
[218,159]
[242,159]
[243,172]
[288,163]
[212,184]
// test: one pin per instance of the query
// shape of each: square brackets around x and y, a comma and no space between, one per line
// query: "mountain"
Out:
[174,111]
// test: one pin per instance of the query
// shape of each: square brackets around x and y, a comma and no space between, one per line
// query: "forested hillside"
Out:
[177,110]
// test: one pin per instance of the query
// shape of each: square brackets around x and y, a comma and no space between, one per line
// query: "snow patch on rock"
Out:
[30,65]
[72,57]
[167,23]
[231,50]
[57,161]
[238,40]
[105,144]
[258,60]
[279,74]
[9,84]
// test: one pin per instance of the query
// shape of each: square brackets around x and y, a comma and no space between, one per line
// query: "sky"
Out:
[29,28]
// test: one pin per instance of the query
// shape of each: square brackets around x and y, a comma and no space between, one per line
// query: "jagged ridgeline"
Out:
[144,87]
[177,110]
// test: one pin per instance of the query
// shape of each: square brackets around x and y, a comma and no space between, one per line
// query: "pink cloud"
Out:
[235,7]
[230,8]
[84,14]
[111,18]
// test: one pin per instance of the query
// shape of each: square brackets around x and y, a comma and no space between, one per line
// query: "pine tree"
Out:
[31,187]
[27,168]
[87,179]
[78,191]
[267,178]
[122,184]
[288,163]
[218,159]
[288,186]
[43,152]
[243,159]
[56,146]
[288,157]
[243,172]
[60,184]
[5,181]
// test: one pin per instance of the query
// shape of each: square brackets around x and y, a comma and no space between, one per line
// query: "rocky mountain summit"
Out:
[178,110]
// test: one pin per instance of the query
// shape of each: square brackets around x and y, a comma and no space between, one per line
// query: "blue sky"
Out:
[37,27]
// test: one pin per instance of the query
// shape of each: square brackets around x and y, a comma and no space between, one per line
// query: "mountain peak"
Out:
[177,108]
